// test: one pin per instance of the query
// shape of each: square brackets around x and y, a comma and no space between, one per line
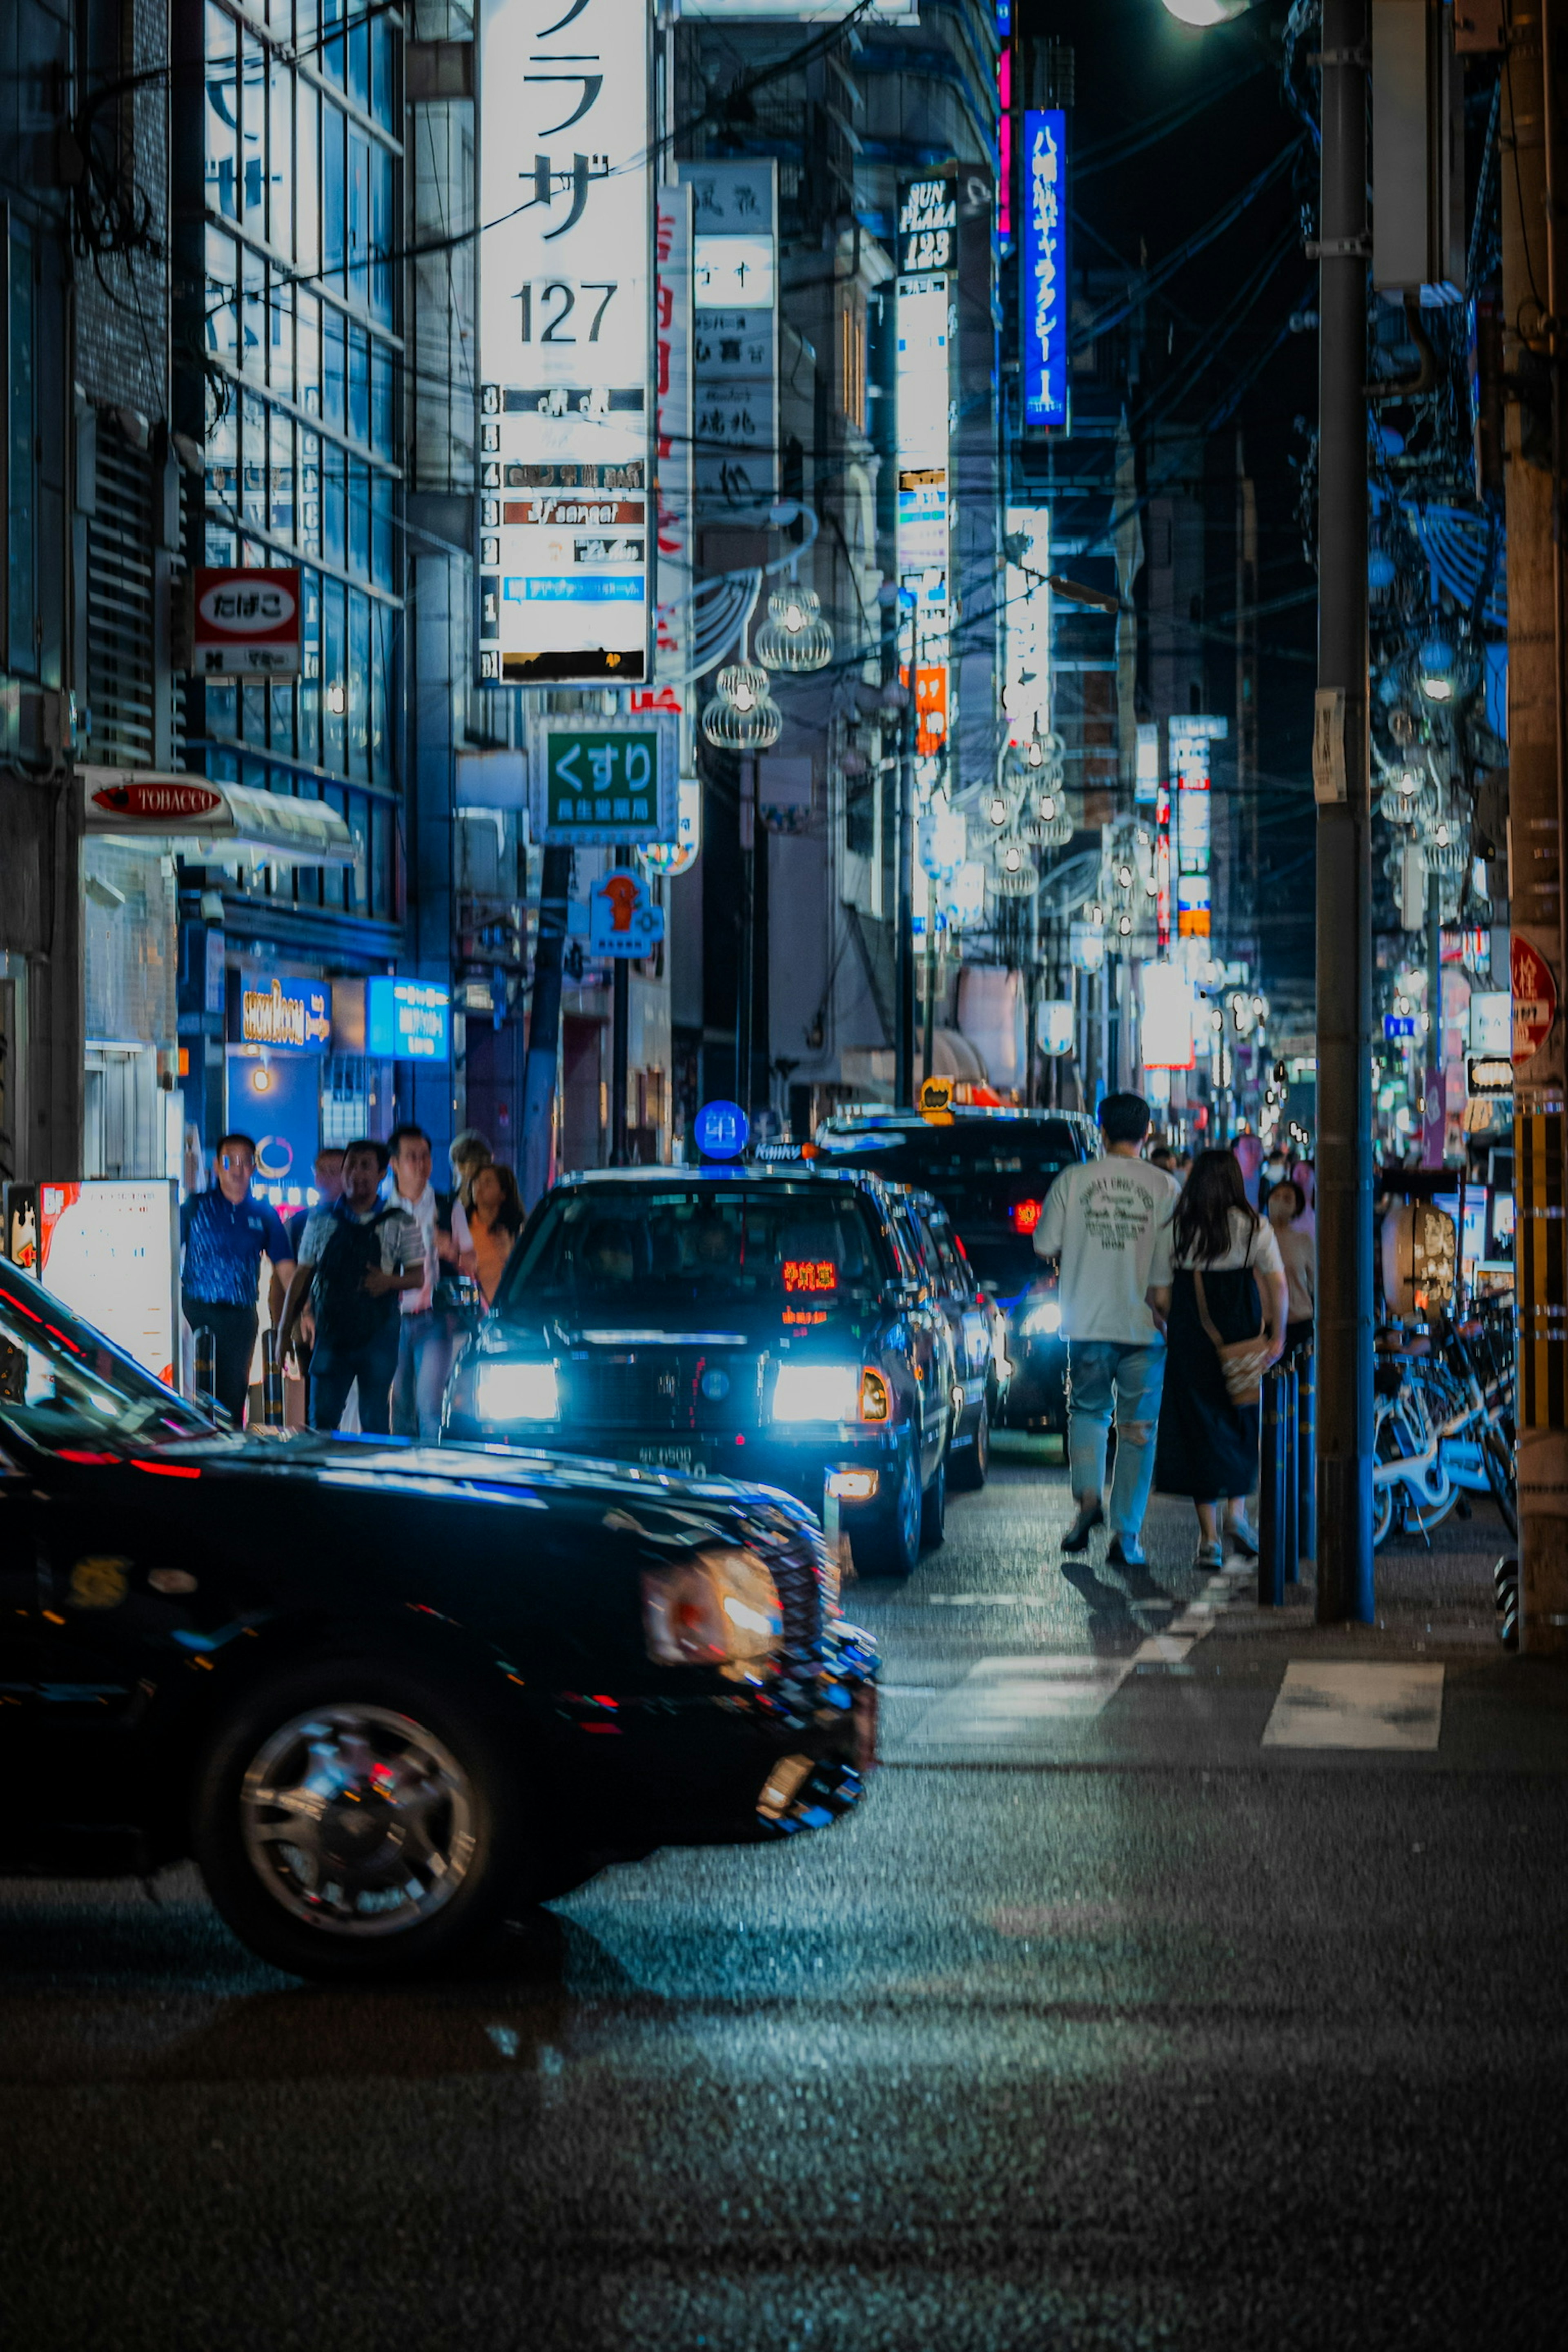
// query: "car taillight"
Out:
[719,1608]
[1026,1215]
[875,1404]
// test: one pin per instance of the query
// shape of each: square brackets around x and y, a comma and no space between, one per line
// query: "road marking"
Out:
[1357,1706]
[1002,1702]
[1162,1650]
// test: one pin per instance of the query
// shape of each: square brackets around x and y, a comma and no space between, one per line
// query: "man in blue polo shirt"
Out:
[224,1235]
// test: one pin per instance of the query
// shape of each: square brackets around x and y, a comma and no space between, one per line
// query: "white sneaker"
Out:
[1209,1555]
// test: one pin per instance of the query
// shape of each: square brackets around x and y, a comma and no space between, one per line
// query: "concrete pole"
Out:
[1343,788]
[1533,296]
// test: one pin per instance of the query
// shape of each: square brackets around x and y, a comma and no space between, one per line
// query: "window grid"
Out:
[302,173]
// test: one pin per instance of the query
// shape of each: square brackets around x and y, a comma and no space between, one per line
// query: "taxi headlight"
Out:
[517,1392]
[815,1392]
[719,1609]
[1042,1320]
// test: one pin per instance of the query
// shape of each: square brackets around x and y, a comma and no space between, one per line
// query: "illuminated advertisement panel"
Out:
[111,1253]
[672,426]
[735,332]
[924,511]
[1026,686]
[564,313]
[1043,246]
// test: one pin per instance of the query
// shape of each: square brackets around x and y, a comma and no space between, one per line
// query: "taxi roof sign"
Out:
[936,1101]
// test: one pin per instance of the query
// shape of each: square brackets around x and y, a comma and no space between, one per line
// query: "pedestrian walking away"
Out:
[1109,1222]
[224,1237]
[1227,1289]
[358,1257]
[424,1330]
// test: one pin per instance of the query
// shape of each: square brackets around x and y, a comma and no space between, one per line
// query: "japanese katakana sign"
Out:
[735,332]
[603,779]
[565,511]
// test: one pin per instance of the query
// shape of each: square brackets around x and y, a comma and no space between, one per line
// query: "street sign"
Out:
[606,781]
[246,623]
[407,1019]
[1534,998]
[722,1131]
[622,918]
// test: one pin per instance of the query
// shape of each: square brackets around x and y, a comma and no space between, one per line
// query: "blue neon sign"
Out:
[407,1021]
[722,1131]
[1044,252]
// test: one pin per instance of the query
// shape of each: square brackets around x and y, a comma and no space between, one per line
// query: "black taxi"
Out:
[770,1326]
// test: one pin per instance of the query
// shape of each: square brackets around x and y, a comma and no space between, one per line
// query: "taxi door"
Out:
[932,1345]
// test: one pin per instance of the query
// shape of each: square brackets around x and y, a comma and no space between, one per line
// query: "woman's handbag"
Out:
[1242,1362]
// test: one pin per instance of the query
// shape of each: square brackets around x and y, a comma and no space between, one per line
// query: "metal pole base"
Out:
[1344,1540]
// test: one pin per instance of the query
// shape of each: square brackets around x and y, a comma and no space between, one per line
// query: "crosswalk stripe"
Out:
[1357,1705]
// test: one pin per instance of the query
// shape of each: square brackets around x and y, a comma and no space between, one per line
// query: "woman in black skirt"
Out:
[1207,1444]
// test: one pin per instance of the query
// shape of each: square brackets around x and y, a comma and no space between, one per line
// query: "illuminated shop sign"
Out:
[564,313]
[407,1021]
[603,780]
[1043,239]
[927,224]
[1026,688]
[1189,746]
[735,332]
[290,1016]
[924,424]
[672,424]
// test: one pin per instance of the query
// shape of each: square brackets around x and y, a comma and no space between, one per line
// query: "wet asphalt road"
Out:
[1105,2024]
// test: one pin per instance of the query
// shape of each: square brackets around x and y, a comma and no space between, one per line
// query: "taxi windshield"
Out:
[62,1383]
[687,1246]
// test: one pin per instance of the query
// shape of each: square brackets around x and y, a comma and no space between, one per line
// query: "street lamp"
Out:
[1204,12]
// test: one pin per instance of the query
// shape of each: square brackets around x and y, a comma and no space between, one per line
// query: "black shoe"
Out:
[1125,1551]
[1089,1516]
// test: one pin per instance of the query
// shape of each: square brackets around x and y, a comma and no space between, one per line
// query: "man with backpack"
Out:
[357,1256]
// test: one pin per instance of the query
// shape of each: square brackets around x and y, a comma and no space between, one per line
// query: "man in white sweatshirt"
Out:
[1109,1222]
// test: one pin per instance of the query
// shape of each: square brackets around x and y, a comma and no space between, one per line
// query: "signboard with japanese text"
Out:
[1534,998]
[1026,688]
[565,308]
[735,328]
[111,1253]
[609,781]
[1189,747]
[927,224]
[672,428]
[622,918]
[407,1019]
[923,387]
[1043,242]
[246,623]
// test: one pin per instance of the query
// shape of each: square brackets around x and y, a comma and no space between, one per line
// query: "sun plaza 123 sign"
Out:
[1043,240]
[927,224]
[565,190]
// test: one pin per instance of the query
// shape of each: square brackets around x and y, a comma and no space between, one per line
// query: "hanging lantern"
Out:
[996,808]
[1445,849]
[1013,873]
[742,715]
[794,637]
[1049,827]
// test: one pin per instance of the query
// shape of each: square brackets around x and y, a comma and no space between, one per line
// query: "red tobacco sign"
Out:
[246,623]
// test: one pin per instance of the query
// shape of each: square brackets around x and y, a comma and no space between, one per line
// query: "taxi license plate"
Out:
[673,1457]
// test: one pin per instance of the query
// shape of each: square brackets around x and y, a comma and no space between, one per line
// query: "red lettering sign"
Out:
[1534,998]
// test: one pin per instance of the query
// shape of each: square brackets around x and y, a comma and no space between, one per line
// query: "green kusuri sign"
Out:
[603,779]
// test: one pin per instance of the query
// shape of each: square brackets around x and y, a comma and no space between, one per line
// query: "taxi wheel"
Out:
[933,1509]
[356,1819]
[970,1468]
[891,1545]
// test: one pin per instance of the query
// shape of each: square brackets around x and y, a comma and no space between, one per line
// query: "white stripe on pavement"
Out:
[1357,1706]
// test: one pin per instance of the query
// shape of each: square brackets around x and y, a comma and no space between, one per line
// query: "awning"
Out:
[200,819]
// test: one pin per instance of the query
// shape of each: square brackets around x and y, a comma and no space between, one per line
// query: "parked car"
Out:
[746,1322]
[972,1325]
[381,1693]
[991,1170]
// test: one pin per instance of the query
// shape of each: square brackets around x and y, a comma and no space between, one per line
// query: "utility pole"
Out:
[1532,294]
[620,1027]
[904,908]
[1342,787]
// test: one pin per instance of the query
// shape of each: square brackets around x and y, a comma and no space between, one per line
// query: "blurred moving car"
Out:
[991,1170]
[973,1325]
[739,1321]
[381,1695]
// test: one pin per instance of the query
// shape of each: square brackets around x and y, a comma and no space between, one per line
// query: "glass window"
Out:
[307,330]
[359,521]
[359,219]
[359,61]
[61,1380]
[222,315]
[359,387]
[222,701]
[334,228]
[222,113]
[280,330]
[253,311]
[332,369]
[359,684]
[381,531]
[381,826]
[281,732]
[307,178]
[252,461]
[254,121]
[690,1247]
[381,70]
[381,400]
[280,436]
[311,492]
[280,160]
[21,441]
[334,531]
[379,677]
[382,234]
[331,52]
[334,686]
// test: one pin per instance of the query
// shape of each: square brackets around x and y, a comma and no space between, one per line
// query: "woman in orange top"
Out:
[493,1207]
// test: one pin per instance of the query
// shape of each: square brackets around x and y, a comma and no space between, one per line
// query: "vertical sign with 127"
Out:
[565,489]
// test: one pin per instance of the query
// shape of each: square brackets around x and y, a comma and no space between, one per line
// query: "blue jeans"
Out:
[1095,1369]
[423,1361]
[334,1370]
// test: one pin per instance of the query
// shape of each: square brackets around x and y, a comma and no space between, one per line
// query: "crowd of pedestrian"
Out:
[369,1287]
[1178,1291]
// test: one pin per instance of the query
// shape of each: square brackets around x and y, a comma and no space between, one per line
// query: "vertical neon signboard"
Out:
[1043,238]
